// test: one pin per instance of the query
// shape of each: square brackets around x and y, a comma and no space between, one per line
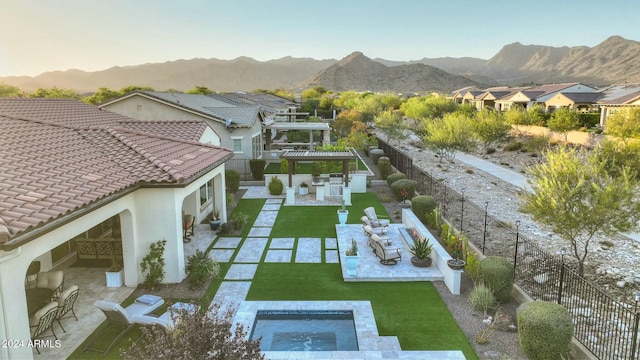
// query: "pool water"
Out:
[311,330]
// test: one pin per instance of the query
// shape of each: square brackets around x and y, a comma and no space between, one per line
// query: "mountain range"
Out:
[615,60]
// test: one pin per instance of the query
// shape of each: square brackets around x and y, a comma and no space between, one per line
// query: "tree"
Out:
[391,123]
[7,90]
[196,335]
[101,96]
[202,90]
[313,93]
[343,123]
[576,195]
[428,107]
[450,134]
[490,128]
[132,88]
[55,93]
[563,120]
[624,124]
[358,137]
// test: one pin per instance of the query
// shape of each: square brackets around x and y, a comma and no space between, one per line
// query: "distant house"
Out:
[618,97]
[457,95]
[538,95]
[238,123]
[73,173]
[578,101]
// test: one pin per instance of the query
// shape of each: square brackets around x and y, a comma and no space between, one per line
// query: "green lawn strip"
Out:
[250,207]
[320,221]
[412,311]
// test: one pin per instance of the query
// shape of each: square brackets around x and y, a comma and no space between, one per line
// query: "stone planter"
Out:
[352,264]
[456,264]
[114,278]
[303,190]
[426,262]
[342,217]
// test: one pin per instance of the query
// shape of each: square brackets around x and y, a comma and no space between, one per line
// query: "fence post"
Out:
[461,210]
[484,233]
[444,201]
[636,296]
[563,252]
[515,256]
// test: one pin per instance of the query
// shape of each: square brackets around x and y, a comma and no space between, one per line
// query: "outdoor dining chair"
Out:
[67,300]
[43,320]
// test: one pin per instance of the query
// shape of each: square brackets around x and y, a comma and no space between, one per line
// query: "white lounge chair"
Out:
[370,212]
[168,319]
[122,317]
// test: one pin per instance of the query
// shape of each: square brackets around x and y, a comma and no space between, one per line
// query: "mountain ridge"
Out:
[615,60]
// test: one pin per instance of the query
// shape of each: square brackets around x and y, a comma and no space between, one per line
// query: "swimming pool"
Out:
[305,330]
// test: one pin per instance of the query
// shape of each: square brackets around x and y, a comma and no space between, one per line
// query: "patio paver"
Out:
[331,243]
[251,250]
[266,218]
[282,243]
[331,256]
[241,272]
[309,250]
[260,231]
[221,255]
[227,243]
[282,256]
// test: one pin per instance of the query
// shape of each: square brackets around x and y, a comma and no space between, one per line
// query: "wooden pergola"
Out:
[294,156]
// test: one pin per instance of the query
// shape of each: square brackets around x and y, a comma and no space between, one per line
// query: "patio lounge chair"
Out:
[168,319]
[388,255]
[43,320]
[369,231]
[67,300]
[370,212]
[122,317]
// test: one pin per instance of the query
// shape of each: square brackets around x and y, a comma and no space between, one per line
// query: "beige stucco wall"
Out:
[573,137]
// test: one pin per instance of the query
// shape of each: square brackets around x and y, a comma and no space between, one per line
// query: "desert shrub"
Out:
[395,177]
[275,186]
[200,268]
[225,229]
[481,298]
[513,146]
[545,330]
[153,264]
[535,144]
[434,220]
[232,180]
[384,166]
[207,335]
[284,166]
[589,120]
[490,150]
[497,274]
[472,266]
[257,168]
[422,206]
[376,154]
[239,220]
[408,185]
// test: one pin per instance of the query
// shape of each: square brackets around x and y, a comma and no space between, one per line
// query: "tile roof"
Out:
[190,130]
[51,168]
[217,107]
[619,94]
[591,97]
[270,101]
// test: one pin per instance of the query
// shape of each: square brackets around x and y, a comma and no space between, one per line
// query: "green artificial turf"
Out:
[412,311]
[320,221]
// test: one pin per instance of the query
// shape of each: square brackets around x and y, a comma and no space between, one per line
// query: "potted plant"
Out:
[114,274]
[343,213]
[456,250]
[421,249]
[352,258]
[215,221]
[304,188]
[405,203]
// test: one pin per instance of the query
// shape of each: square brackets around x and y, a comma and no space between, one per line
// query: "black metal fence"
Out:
[605,326]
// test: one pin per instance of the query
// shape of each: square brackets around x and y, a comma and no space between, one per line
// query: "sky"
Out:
[90,35]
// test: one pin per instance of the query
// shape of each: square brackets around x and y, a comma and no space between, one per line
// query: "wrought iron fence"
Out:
[605,326]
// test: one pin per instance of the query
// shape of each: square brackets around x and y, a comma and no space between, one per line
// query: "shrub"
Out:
[376,154]
[225,229]
[472,266]
[232,180]
[545,330]
[535,144]
[395,177]
[384,166]
[275,186]
[257,168]
[239,220]
[284,166]
[513,146]
[153,264]
[422,206]
[497,274]
[316,169]
[434,220]
[490,151]
[407,184]
[481,298]
[200,268]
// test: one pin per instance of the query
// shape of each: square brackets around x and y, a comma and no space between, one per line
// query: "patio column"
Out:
[345,172]
[14,316]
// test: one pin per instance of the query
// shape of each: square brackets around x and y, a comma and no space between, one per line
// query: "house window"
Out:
[206,192]
[256,146]
[139,107]
[237,144]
